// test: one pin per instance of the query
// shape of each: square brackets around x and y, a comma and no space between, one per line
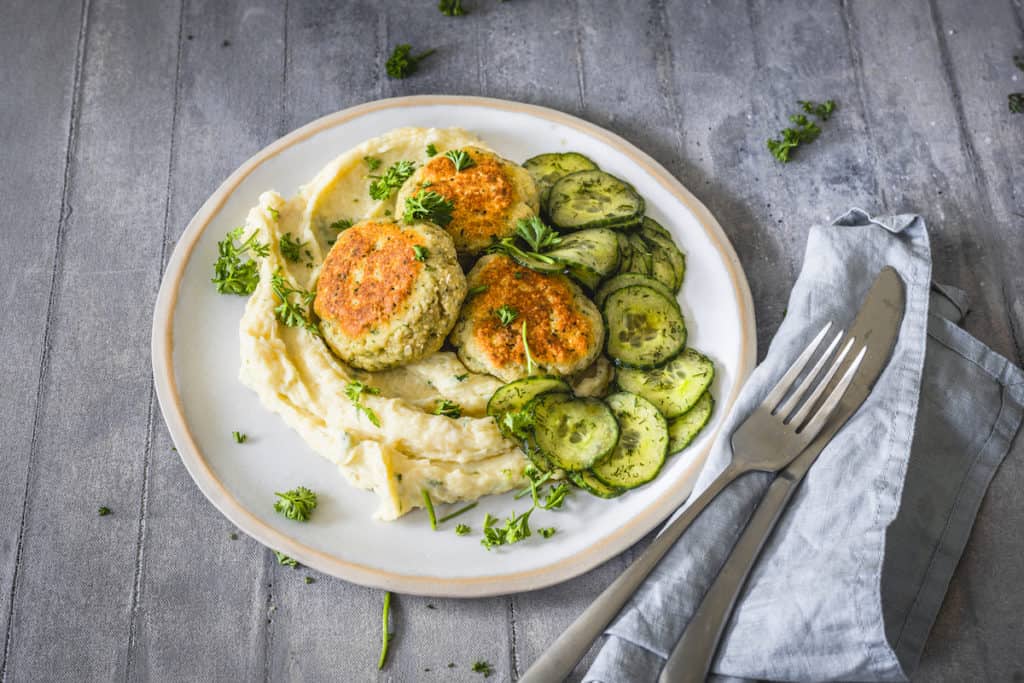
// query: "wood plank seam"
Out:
[151,418]
[65,213]
[979,179]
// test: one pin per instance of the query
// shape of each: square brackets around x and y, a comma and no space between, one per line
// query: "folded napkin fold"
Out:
[850,583]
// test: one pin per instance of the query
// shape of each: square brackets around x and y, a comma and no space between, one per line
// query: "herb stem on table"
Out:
[385,635]
[429,504]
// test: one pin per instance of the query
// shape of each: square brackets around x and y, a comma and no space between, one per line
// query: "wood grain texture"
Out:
[119,119]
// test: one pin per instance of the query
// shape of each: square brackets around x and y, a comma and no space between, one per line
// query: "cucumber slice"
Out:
[683,429]
[585,277]
[645,328]
[662,244]
[675,386]
[662,267]
[642,447]
[593,199]
[594,486]
[515,395]
[641,260]
[574,433]
[627,279]
[596,250]
[547,169]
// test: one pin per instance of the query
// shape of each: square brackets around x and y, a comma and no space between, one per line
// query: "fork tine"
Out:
[782,386]
[794,398]
[801,415]
[817,422]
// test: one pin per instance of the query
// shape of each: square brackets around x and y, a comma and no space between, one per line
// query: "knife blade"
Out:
[877,325]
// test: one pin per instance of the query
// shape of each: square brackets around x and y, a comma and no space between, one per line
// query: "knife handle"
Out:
[691,659]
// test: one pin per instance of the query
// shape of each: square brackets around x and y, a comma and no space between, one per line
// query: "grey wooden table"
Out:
[117,119]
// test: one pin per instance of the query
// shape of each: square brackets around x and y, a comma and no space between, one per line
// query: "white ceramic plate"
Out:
[195,363]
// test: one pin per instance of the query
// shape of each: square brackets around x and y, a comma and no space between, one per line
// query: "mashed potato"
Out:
[299,378]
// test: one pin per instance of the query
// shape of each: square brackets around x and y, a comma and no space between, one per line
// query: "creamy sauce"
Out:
[297,377]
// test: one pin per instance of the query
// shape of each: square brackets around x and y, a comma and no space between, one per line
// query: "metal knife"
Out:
[878,325]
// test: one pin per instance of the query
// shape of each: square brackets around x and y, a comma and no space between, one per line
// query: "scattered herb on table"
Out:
[291,248]
[460,159]
[385,634]
[420,253]
[396,174]
[309,579]
[483,667]
[236,270]
[285,560]
[461,529]
[297,504]
[402,63]
[104,511]
[233,536]
[428,205]
[431,150]
[239,437]
[355,390]
[291,313]
[506,314]
[803,131]
[429,505]
[1016,102]
[456,513]
[451,8]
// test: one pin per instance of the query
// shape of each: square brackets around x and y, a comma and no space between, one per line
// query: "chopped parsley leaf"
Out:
[291,248]
[1016,102]
[460,159]
[448,408]
[506,314]
[285,560]
[372,162]
[461,529]
[402,63]
[384,185]
[239,437]
[355,390]
[420,253]
[428,205]
[288,312]
[556,497]
[104,511]
[547,532]
[462,378]
[451,8]
[483,667]
[297,504]
[231,273]
[431,150]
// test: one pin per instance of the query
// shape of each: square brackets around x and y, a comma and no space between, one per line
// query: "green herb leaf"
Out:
[451,8]
[385,634]
[293,313]
[556,497]
[1016,102]
[340,225]
[823,111]
[372,162]
[460,159]
[428,205]
[448,408]
[239,437]
[506,314]
[402,63]
[431,150]
[233,272]
[355,390]
[309,579]
[547,532]
[285,560]
[297,504]
[519,423]
[517,528]
[483,667]
[805,131]
[104,511]
[479,289]
[539,236]
[385,185]
[420,253]
[461,529]
[274,213]
[291,248]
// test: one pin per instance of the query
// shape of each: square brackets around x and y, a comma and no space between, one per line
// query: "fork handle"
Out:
[568,649]
[693,655]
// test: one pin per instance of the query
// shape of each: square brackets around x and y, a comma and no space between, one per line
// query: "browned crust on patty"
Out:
[367,277]
[557,331]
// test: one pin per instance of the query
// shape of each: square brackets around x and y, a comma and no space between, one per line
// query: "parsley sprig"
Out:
[460,159]
[516,528]
[538,238]
[428,205]
[297,504]
[355,390]
[402,63]
[803,131]
[396,174]
[236,270]
[285,560]
[506,314]
[291,248]
[483,667]
[448,408]
[293,313]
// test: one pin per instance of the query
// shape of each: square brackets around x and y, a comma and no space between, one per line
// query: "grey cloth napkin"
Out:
[850,583]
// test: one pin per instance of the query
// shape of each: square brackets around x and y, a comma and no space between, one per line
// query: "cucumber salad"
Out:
[633,270]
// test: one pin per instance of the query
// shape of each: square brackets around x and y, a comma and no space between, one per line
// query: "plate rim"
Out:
[162,349]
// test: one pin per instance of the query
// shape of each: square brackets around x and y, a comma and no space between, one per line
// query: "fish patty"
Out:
[388,294]
[564,330]
[489,197]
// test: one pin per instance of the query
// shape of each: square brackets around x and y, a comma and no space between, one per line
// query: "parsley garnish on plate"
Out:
[516,528]
[537,236]
[292,313]
[285,560]
[420,253]
[384,185]
[297,504]
[402,63]
[547,532]
[451,8]
[239,437]
[483,667]
[506,314]
[372,162]
[291,248]
[460,159]
[428,205]
[431,150]
[355,390]
[236,270]
[461,529]
[448,408]
[556,497]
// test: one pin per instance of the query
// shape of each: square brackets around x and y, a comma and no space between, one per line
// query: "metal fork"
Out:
[775,433]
